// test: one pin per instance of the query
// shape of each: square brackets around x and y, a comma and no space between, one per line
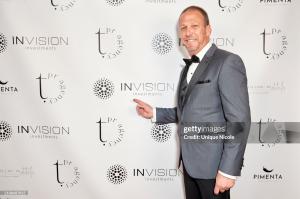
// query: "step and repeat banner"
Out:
[69,70]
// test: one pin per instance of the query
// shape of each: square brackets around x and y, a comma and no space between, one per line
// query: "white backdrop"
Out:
[69,72]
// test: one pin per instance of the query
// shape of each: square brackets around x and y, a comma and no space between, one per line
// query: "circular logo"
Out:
[3,43]
[52,88]
[162,43]
[275,43]
[104,88]
[117,174]
[161,132]
[115,2]
[63,5]
[230,6]
[110,43]
[5,131]
[272,134]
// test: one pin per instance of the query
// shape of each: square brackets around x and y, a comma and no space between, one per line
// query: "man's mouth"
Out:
[190,40]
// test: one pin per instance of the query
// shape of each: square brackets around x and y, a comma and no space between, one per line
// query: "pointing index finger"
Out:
[139,102]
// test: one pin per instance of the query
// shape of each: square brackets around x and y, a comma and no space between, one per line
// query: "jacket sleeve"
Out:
[232,83]
[166,115]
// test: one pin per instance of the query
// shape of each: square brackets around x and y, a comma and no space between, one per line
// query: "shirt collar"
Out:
[204,50]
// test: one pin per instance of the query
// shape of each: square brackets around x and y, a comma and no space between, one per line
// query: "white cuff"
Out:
[153,119]
[227,175]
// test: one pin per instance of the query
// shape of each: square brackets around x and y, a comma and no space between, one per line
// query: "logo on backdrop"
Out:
[230,6]
[270,132]
[148,88]
[266,88]
[223,41]
[268,174]
[33,131]
[104,88]
[275,2]
[9,194]
[160,1]
[3,83]
[62,5]
[117,174]
[42,43]
[110,43]
[51,88]
[161,132]
[21,172]
[67,175]
[111,131]
[157,174]
[7,89]
[162,43]
[115,2]
[274,43]
[5,131]
[3,43]
[43,131]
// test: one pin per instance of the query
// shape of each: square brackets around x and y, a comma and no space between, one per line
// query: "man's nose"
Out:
[189,31]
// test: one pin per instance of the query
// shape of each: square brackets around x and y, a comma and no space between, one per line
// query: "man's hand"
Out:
[143,109]
[223,184]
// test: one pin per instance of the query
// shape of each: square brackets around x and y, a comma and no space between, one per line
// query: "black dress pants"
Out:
[201,188]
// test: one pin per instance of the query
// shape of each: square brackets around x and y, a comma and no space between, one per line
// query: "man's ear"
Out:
[208,30]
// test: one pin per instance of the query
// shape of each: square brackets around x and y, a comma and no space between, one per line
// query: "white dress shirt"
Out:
[193,66]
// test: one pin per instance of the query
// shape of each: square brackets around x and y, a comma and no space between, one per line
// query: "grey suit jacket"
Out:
[217,92]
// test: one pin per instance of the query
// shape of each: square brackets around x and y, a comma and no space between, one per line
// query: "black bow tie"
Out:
[194,59]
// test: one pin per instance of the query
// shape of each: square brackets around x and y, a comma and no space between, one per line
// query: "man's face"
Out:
[194,33]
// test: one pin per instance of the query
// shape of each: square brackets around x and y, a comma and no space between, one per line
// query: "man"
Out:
[212,88]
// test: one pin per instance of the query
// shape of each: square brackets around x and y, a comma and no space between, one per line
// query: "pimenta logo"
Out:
[268,175]
[104,88]
[3,43]
[62,5]
[5,89]
[117,174]
[161,132]
[162,43]
[51,88]
[71,174]
[3,83]
[274,43]
[5,131]
[111,132]
[110,43]
[230,6]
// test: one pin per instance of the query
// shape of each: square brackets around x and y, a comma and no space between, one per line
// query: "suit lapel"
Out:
[182,78]
[199,71]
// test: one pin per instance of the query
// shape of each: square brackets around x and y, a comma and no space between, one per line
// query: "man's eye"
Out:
[183,28]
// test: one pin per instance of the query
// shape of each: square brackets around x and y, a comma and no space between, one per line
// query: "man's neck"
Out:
[203,51]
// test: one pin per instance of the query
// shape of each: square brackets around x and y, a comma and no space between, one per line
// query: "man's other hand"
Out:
[223,184]
[143,109]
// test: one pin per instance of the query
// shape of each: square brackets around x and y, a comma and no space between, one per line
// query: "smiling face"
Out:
[193,31]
